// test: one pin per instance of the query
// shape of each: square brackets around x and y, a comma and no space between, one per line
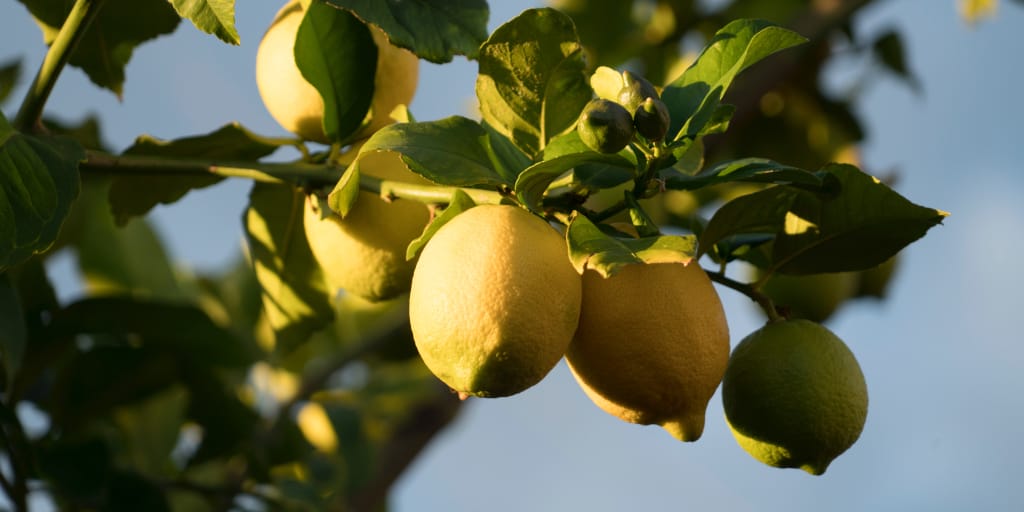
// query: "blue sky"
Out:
[943,355]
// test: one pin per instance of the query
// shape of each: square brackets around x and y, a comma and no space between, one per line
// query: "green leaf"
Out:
[564,153]
[108,43]
[890,52]
[38,183]
[14,335]
[132,196]
[77,468]
[753,170]
[857,229]
[295,297]
[590,247]
[172,328]
[215,17]
[532,82]
[508,160]
[151,429]
[336,54]
[864,226]
[452,151]
[227,423]
[130,259]
[129,492]
[435,30]
[460,202]
[9,74]
[694,98]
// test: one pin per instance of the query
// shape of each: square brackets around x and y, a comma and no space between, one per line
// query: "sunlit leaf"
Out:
[592,248]
[459,203]
[215,17]
[564,153]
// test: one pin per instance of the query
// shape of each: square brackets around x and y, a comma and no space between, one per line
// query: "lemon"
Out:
[494,301]
[794,395]
[364,253]
[813,297]
[297,106]
[652,345]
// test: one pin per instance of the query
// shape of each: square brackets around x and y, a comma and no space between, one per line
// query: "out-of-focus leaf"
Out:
[890,52]
[86,132]
[77,468]
[532,82]
[435,30]
[14,334]
[227,423]
[9,74]
[295,297]
[151,429]
[108,43]
[336,54]
[131,492]
[694,98]
[38,183]
[132,196]
[215,17]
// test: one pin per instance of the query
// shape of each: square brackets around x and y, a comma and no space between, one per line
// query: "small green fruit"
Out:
[635,90]
[652,119]
[605,126]
[813,297]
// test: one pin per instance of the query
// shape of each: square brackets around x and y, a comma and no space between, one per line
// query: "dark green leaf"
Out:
[151,429]
[460,202]
[215,17]
[564,153]
[590,247]
[508,160]
[108,43]
[761,212]
[77,468]
[295,297]
[532,82]
[864,226]
[131,492]
[889,50]
[14,334]
[435,30]
[227,423]
[452,151]
[753,170]
[179,329]
[86,132]
[336,54]
[694,98]
[132,196]
[9,74]
[38,183]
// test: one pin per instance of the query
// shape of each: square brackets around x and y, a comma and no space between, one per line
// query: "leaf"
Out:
[172,328]
[215,17]
[532,82]
[857,229]
[136,195]
[507,159]
[564,153]
[890,52]
[864,226]
[14,335]
[336,54]
[460,202]
[129,492]
[38,183]
[295,297]
[77,468]
[107,45]
[694,98]
[753,170]
[151,429]
[452,151]
[10,72]
[435,30]
[589,247]
[227,423]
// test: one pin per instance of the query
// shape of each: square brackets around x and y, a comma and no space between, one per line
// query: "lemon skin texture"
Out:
[364,253]
[652,345]
[494,301]
[297,106]
[794,396]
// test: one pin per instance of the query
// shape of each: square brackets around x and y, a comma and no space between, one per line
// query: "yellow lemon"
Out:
[297,106]
[494,301]
[652,345]
[794,395]
[364,253]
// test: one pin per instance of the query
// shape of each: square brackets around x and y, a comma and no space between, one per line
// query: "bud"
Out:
[635,90]
[605,126]
[652,119]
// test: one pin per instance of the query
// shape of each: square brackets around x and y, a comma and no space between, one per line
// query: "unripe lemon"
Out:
[794,395]
[364,253]
[494,301]
[297,106]
[652,345]
[813,297]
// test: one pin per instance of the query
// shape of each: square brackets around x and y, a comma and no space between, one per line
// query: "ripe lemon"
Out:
[297,106]
[794,396]
[364,253]
[652,345]
[813,297]
[494,301]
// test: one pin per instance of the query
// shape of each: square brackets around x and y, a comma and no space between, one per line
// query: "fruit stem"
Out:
[28,118]
[750,291]
[429,194]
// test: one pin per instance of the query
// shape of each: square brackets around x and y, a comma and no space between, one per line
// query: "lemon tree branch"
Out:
[750,291]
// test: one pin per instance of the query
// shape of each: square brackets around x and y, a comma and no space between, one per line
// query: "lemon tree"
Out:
[394,265]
